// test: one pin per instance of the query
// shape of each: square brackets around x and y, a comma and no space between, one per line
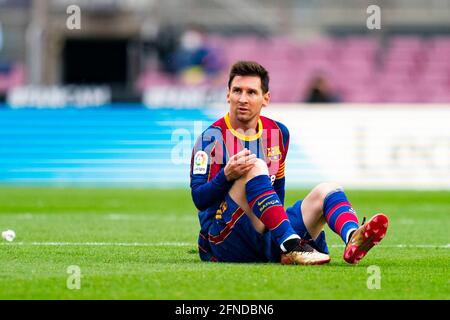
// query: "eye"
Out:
[236,90]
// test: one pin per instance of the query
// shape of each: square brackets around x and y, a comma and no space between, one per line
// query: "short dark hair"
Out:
[250,68]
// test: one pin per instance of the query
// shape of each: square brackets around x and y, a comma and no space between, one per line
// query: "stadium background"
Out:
[119,101]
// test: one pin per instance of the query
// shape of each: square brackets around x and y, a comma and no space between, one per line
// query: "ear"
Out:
[228,96]
[266,99]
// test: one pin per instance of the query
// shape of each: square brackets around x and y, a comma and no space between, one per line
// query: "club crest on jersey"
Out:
[223,207]
[200,162]
[274,153]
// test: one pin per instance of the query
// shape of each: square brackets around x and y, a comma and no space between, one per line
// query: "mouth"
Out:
[242,110]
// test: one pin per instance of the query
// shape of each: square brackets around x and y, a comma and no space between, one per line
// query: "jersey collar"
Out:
[243,136]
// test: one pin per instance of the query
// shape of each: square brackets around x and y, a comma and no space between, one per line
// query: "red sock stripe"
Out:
[251,203]
[273,217]
[342,219]
[337,206]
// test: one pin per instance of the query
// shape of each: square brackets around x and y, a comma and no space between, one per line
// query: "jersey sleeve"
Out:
[205,191]
[280,180]
[278,185]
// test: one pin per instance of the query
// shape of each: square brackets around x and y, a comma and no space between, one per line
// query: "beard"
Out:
[245,116]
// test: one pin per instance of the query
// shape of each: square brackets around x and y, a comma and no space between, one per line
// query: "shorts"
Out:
[232,237]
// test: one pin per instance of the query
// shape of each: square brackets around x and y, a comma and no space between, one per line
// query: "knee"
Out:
[259,168]
[323,189]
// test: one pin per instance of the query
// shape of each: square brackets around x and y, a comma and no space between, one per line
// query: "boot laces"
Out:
[303,246]
[363,221]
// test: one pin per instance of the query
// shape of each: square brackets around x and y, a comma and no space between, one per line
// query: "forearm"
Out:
[206,194]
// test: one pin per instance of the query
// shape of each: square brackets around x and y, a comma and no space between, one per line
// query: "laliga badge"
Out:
[200,162]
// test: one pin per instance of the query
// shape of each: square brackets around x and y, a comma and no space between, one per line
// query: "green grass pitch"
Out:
[141,244]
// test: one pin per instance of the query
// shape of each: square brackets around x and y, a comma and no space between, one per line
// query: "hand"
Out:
[239,164]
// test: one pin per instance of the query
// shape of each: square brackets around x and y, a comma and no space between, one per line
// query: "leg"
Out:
[237,193]
[232,237]
[238,235]
[327,203]
[338,211]
[312,207]
[255,195]
[296,216]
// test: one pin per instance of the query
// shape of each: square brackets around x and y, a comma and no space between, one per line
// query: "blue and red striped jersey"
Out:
[217,144]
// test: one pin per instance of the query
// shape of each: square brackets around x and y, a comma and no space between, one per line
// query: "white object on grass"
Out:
[8,235]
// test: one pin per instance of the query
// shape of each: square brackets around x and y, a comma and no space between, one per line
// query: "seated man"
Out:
[237,184]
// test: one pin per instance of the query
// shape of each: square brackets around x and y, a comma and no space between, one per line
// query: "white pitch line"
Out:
[103,244]
[185,244]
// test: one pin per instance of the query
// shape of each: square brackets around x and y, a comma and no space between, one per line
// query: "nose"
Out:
[243,98]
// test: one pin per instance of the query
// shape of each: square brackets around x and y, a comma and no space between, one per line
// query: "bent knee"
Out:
[324,188]
[259,168]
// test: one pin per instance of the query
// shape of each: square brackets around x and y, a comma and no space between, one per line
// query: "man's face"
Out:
[246,98]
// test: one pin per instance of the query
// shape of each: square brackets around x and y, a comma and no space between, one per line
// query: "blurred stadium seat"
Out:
[295,40]
[11,76]
[407,69]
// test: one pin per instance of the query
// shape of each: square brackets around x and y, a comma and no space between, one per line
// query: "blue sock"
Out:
[265,204]
[340,215]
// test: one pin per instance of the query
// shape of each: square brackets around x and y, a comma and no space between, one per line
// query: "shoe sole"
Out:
[375,230]
[289,261]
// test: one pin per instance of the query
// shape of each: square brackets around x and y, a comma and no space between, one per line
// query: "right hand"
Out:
[239,164]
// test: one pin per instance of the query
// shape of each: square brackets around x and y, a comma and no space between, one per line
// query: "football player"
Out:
[237,184]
